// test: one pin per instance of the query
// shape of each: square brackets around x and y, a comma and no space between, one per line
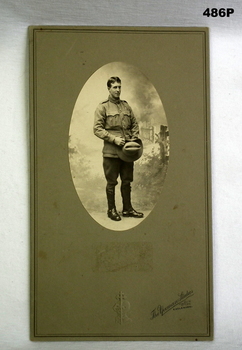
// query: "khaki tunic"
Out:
[114,119]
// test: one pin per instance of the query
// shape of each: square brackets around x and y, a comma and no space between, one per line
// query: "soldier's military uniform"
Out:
[114,117]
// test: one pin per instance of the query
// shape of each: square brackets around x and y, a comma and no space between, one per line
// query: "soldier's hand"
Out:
[119,141]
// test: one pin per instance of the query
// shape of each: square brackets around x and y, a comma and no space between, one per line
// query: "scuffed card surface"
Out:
[138,279]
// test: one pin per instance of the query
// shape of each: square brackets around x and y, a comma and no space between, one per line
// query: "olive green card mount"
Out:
[100,271]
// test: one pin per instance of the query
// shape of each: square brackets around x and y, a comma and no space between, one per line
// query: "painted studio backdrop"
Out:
[85,149]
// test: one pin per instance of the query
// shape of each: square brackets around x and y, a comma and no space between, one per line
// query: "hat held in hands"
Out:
[131,151]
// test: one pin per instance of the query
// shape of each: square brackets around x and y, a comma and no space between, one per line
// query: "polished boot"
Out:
[112,212]
[128,210]
[131,213]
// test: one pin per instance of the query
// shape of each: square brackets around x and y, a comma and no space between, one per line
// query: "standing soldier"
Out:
[116,125]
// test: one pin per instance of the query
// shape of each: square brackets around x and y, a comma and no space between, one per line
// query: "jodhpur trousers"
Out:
[113,168]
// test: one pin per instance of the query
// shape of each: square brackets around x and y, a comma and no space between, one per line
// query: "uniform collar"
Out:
[113,100]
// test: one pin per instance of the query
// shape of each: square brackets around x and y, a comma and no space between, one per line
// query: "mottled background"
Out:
[85,149]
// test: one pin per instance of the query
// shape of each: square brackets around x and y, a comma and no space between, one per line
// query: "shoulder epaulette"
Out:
[104,101]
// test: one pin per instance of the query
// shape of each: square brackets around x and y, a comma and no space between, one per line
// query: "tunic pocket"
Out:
[126,121]
[109,121]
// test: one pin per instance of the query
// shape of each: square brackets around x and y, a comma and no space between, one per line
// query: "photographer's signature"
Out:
[161,311]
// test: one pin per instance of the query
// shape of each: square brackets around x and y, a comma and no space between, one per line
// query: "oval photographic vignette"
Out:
[85,149]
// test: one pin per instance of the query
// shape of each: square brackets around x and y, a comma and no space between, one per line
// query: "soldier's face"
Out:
[115,90]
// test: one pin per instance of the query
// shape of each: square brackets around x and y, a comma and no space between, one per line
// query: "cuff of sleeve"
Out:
[111,138]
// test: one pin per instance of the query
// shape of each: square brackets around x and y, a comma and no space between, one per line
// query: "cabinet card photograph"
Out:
[121,241]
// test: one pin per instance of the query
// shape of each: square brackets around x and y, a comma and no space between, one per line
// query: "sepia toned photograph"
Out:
[119,180]
[121,241]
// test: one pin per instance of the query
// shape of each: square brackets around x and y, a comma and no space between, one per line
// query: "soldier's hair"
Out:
[113,80]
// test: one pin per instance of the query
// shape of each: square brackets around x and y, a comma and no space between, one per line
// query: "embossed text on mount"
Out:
[122,308]
[161,311]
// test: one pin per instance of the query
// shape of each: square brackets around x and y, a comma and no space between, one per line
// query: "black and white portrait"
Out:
[118,146]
